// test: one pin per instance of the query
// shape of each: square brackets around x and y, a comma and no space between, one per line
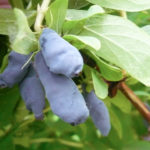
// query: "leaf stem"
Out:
[64,142]
[30,118]
[123,14]
[140,106]
[41,10]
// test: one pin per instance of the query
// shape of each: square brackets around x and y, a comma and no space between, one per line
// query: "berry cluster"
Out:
[50,74]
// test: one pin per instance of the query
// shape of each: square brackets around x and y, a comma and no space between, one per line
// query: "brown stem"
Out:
[140,106]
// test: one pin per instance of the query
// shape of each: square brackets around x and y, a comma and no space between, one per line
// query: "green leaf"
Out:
[21,111]
[137,145]
[77,4]
[17,3]
[33,4]
[122,44]
[8,100]
[115,122]
[4,46]
[8,24]
[88,78]
[127,5]
[140,18]
[73,14]
[76,19]
[121,102]
[31,15]
[23,141]
[4,63]
[83,42]
[109,72]
[100,87]
[142,93]
[55,15]
[25,41]
[146,29]
[6,143]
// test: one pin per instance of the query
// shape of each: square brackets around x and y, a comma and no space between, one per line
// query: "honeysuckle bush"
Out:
[113,38]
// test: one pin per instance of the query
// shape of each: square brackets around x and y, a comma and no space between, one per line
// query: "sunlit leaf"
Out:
[55,15]
[25,41]
[122,43]
[83,42]
[100,87]
[128,5]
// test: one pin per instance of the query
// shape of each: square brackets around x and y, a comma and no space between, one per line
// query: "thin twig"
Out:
[41,10]
[64,142]
[31,118]
[140,106]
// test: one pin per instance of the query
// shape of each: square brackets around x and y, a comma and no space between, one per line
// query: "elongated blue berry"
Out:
[60,56]
[63,95]
[98,113]
[32,93]
[13,73]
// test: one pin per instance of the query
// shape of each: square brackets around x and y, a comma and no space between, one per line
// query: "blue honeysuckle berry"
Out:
[32,93]
[99,113]
[63,95]
[14,73]
[60,56]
